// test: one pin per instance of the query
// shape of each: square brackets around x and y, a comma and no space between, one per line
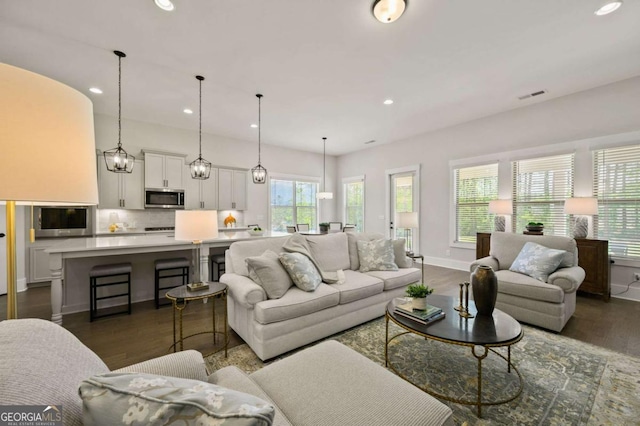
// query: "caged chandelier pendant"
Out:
[324,195]
[200,168]
[117,160]
[259,173]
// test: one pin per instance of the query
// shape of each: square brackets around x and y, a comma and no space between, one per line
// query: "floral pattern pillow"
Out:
[301,270]
[148,399]
[537,261]
[376,255]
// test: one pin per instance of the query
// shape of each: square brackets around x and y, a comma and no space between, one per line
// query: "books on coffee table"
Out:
[432,313]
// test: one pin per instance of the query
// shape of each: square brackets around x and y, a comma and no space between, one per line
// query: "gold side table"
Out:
[413,257]
[180,297]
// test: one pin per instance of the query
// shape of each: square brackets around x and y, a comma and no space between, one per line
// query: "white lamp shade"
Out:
[324,195]
[501,207]
[407,220]
[581,206]
[48,145]
[196,225]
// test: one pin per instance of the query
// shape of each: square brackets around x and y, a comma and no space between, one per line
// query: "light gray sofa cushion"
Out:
[400,278]
[331,251]
[400,254]
[537,261]
[302,271]
[353,238]
[506,246]
[376,255]
[358,286]
[326,397]
[267,271]
[296,303]
[524,286]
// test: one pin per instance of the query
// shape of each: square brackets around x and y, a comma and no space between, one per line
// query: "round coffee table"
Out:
[481,334]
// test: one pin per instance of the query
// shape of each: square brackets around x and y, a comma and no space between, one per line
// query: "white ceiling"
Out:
[324,67]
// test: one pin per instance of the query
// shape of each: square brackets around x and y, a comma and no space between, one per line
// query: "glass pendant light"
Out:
[259,173]
[117,159]
[200,168]
[324,195]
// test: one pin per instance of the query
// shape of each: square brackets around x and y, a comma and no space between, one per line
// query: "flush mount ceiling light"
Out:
[387,11]
[117,159]
[608,7]
[259,173]
[200,168]
[165,5]
[324,195]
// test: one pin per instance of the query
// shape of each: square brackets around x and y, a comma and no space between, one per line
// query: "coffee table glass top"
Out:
[498,329]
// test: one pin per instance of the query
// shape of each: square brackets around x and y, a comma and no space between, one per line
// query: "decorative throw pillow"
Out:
[135,398]
[267,271]
[301,270]
[376,255]
[400,254]
[537,261]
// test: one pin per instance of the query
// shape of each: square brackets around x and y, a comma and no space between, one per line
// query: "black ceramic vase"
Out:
[484,285]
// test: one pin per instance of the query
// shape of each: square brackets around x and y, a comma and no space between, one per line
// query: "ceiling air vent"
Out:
[368,142]
[531,95]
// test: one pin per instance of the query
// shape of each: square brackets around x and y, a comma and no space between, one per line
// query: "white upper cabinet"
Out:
[201,194]
[163,171]
[121,190]
[232,189]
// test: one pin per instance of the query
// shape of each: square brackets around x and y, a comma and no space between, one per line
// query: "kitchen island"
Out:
[71,260]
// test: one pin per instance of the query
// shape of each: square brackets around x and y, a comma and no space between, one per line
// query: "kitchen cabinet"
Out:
[201,194]
[39,270]
[121,190]
[232,189]
[163,171]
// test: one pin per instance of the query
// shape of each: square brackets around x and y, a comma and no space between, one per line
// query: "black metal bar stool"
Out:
[170,268]
[108,271]
[217,266]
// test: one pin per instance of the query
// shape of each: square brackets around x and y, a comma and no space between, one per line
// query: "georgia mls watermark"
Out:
[30,415]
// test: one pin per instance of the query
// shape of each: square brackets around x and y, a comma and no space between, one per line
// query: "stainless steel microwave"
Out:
[63,221]
[163,198]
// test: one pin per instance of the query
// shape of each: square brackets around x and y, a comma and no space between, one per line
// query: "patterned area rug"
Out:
[566,382]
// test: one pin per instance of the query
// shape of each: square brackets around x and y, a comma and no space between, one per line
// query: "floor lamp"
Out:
[408,221]
[49,152]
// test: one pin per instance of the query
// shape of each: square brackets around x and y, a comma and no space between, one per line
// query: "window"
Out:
[354,202]
[474,187]
[540,186]
[616,184]
[292,202]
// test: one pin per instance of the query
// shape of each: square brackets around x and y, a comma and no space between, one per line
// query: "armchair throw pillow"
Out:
[537,261]
[267,271]
[302,271]
[136,398]
[376,255]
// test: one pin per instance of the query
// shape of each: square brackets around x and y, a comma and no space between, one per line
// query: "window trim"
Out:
[353,179]
[294,178]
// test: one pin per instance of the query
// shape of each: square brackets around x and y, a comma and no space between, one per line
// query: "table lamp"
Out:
[581,206]
[196,226]
[500,208]
[48,152]
[408,221]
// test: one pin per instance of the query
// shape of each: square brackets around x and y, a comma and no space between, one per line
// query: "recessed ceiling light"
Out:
[165,5]
[95,90]
[388,102]
[187,111]
[608,7]
[255,126]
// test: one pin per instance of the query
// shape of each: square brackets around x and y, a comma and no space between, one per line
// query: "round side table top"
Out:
[182,292]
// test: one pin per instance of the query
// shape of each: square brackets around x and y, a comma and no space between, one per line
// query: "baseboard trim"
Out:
[460,265]
[632,294]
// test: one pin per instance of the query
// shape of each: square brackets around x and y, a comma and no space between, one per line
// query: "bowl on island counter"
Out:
[256,232]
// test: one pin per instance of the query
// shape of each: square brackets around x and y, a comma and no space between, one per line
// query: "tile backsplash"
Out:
[139,219]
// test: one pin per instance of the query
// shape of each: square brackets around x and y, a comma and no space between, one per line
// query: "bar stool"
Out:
[108,271]
[170,267]
[217,266]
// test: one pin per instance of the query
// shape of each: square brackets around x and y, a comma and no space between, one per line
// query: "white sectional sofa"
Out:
[274,326]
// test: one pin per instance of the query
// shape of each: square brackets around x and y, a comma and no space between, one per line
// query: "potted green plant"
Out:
[535,226]
[419,292]
[324,227]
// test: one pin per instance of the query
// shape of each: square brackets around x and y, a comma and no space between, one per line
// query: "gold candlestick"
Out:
[466,313]
[460,307]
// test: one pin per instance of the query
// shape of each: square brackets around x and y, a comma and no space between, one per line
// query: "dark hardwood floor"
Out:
[147,333]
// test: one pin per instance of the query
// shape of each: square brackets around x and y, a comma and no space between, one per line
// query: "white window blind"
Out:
[616,184]
[354,202]
[540,187]
[474,188]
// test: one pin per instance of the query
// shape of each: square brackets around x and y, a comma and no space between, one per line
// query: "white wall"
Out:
[607,110]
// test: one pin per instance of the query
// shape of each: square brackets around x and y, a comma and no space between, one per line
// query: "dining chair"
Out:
[291,229]
[303,227]
[348,227]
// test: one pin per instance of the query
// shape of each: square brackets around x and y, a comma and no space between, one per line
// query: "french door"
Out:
[403,196]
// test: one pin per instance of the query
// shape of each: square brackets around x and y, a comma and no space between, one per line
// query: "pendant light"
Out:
[259,173]
[200,168]
[324,195]
[387,11]
[117,159]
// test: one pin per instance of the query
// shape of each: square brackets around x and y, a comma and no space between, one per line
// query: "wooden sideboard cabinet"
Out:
[593,257]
